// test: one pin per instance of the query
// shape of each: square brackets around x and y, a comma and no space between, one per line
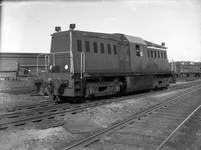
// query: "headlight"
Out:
[66,67]
[50,67]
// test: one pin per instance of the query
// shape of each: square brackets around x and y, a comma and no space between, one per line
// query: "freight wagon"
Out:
[186,68]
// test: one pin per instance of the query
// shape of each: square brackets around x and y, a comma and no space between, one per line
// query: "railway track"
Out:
[48,111]
[37,113]
[191,121]
[145,130]
[28,107]
[51,103]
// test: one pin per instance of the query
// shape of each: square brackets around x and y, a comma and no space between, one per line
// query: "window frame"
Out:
[115,49]
[95,46]
[155,55]
[109,48]
[165,56]
[87,46]
[79,45]
[158,54]
[137,49]
[102,48]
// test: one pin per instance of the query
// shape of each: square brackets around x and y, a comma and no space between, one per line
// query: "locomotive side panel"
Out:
[98,54]
[147,60]
[157,59]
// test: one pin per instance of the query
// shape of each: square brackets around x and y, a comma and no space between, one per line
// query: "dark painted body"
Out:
[102,64]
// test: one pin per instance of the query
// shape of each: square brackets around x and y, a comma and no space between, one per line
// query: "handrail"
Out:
[47,56]
[84,63]
[38,58]
[45,63]
[82,67]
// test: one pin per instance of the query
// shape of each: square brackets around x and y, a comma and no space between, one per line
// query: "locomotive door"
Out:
[124,56]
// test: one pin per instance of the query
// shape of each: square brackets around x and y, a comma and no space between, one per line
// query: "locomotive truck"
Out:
[84,64]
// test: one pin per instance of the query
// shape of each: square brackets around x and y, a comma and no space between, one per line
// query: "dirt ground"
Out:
[8,99]
[54,138]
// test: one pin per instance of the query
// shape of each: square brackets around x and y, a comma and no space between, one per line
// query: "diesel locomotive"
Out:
[84,64]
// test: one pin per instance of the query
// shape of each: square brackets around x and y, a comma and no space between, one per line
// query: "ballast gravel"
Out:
[55,138]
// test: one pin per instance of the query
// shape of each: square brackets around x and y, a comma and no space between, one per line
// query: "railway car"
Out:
[84,64]
[186,68]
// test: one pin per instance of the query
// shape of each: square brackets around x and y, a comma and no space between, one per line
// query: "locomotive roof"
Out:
[117,37]
[155,45]
[134,39]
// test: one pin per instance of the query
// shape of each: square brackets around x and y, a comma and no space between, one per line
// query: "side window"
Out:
[95,47]
[162,55]
[151,54]
[102,47]
[115,49]
[127,49]
[165,55]
[148,52]
[155,54]
[158,54]
[141,50]
[87,46]
[79,45]
[109,48]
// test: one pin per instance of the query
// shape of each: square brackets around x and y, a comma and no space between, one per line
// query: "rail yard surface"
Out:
[63,130]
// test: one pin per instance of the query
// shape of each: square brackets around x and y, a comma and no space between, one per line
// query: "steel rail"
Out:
[95,137]
[32,110]
[50,103]
[175,131]
[48,114]
[37,114]
[29,107]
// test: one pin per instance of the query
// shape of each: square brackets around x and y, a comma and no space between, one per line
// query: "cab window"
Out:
[139,50]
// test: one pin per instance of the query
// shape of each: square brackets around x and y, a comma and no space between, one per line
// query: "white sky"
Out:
[27,26]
